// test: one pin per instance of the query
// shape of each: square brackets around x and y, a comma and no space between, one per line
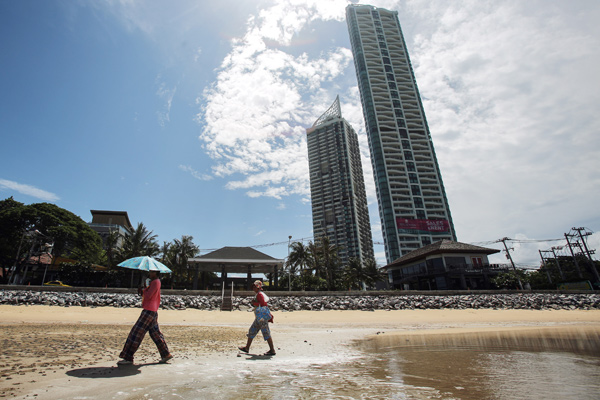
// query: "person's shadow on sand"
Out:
[108,372]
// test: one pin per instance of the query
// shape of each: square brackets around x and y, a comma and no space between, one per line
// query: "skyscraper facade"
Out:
[337,186]
[413,206]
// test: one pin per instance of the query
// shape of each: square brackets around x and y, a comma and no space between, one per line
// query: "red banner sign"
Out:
[423,225]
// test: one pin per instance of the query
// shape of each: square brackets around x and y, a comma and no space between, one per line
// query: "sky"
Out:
[192,115]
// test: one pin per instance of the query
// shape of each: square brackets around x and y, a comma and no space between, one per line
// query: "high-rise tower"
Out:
[337,186]
[413,206]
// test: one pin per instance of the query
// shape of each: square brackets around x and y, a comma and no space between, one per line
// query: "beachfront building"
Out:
[106,222]
[337,186]
[444,265]
[413,207]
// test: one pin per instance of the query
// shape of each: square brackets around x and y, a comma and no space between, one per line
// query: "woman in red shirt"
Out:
[261,321]
[147,322]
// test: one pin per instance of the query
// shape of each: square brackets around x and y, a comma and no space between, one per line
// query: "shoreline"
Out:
[50,349]
[394,319]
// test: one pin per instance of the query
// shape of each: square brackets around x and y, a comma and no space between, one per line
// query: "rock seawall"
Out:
[530,301]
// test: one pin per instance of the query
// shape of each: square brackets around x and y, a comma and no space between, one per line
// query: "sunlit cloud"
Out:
[28,190]
[256,113]
[512,107]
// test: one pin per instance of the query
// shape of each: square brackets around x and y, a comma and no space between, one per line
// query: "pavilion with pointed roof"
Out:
[237,260]
[444,265]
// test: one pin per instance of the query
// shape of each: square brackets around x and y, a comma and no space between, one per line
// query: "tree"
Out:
[327,258]
[354,274]
[373,273]
[69,234]
[12,229]
[140,242]
[314,259]
[510,279]
[112,247]
[183,249]
[358,275]
[299,256]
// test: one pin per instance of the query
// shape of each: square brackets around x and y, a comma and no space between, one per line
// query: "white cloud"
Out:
[511,101]
[256,113]
[28,190]
[195,174]
[165,94]
[509,89]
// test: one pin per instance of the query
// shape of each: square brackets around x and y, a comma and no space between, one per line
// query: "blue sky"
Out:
[191,115]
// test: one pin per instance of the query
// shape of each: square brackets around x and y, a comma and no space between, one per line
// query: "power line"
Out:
[256,246]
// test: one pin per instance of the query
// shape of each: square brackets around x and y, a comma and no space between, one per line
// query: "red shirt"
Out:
[151,296]
[260,299]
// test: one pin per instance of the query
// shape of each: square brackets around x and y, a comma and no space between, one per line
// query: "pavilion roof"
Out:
[236,260]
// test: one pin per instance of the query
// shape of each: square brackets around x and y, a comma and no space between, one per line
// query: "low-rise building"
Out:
[107,222]
[444,265]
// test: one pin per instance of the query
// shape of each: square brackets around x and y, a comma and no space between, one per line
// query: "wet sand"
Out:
[56,352]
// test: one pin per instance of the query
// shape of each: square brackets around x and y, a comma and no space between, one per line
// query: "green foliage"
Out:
[316,266]
[12,226]
[140,242]
[510,279]
[71,236]
[356,274]
[177,258]
[551,274]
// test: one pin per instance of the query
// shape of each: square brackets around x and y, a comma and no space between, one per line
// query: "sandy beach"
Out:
[71,352]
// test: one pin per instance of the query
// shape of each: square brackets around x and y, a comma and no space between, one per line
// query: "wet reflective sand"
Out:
[548,363]
[542,363]
[418,354]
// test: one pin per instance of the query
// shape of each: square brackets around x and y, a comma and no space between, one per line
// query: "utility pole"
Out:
[589,254]
[574,258]
[562,276]
[503,240]
[545,268]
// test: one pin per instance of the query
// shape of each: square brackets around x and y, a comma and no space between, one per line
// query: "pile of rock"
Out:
[529,301]
[535,301]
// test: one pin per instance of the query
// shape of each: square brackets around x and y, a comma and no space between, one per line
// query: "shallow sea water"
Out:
[535,364]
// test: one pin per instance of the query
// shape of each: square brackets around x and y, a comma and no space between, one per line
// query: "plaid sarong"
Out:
[147,322]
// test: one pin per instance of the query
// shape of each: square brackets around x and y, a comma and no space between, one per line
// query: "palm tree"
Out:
[314,259]
[330,260]
[298,256]
[373,273]
[112,249]
[140,242]
[164,253]
[354,274]
[183,250]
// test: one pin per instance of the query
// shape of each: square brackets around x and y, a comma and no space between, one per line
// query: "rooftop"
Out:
[442,246]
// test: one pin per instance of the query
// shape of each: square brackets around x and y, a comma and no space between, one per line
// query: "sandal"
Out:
[269,353]
[244,349]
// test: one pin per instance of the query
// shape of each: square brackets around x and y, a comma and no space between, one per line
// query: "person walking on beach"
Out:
[147,322]
[261,321]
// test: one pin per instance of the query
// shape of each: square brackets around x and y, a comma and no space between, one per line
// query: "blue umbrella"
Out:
[145,264]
